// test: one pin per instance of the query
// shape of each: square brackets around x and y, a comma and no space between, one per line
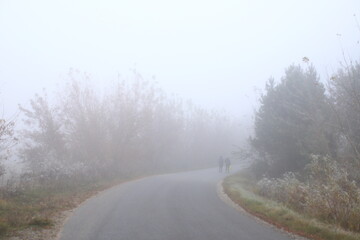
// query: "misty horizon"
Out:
[217,55]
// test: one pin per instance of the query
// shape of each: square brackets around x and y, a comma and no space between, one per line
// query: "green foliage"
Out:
[292,122]
[307,144]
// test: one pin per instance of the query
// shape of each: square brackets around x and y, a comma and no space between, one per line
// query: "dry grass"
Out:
[35,208]
[240,189]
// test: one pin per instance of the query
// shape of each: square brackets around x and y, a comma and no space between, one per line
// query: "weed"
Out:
[242,191]
[40,222]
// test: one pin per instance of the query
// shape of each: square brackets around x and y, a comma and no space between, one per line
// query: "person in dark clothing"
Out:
[221,163]
[227,163]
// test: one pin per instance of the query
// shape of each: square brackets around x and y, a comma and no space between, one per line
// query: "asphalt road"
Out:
[181,206]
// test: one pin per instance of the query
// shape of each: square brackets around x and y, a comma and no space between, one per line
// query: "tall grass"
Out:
[243,190]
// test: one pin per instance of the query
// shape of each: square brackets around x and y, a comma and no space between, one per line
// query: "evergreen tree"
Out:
[292,122]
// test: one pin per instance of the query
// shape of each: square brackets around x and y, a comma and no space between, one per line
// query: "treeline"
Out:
[306,143]
[134,129]
[83,139]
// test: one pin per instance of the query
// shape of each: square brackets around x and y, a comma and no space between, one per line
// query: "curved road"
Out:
[181,206]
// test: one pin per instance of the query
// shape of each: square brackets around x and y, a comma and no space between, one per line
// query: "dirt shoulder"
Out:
[51,233]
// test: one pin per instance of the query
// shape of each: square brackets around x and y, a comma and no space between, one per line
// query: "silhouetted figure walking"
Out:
[227,163]
[221,163]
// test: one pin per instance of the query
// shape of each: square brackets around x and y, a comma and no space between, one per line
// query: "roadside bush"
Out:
[328,194]
[288,190]
[332,195]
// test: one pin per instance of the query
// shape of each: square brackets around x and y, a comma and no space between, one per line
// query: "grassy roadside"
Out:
[36,208]
[240,188]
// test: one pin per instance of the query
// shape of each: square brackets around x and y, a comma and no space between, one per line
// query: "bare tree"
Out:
[7,140]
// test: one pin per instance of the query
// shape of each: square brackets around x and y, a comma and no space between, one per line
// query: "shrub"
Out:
[288,190]
[328,194]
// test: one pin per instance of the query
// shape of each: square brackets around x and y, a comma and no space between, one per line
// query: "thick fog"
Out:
[216,53]
[96,93]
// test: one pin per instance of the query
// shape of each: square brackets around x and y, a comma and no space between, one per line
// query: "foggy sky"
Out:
[214,52]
